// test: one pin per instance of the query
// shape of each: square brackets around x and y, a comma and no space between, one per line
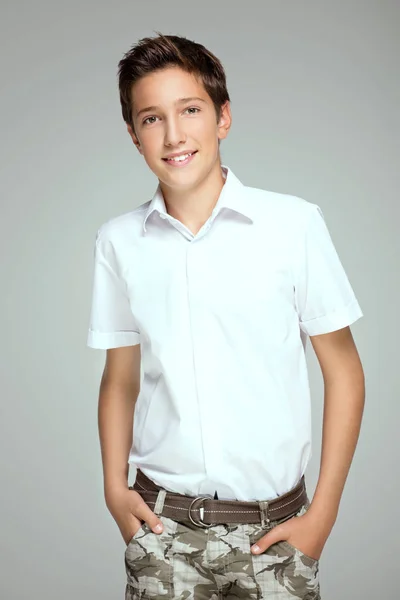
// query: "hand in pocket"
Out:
[130,511]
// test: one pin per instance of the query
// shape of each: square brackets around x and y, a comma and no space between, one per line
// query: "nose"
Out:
[174,134]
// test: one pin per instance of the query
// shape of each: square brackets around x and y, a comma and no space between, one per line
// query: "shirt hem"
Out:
[103,341]
[333,321]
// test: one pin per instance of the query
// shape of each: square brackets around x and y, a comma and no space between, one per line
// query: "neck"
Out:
[193,206]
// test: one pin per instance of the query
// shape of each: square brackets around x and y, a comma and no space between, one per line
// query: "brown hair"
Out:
[154,54]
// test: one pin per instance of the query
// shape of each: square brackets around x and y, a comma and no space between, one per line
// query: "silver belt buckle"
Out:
[199,523]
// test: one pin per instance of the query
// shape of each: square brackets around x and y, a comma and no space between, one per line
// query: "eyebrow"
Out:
[179,101]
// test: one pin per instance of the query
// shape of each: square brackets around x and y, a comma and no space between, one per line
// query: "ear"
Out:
[134,137]
[225,120]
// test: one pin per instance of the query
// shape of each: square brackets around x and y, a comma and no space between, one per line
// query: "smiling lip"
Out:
[180,163]
[175,154]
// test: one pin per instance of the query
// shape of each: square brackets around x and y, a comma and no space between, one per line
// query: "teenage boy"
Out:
[204,297]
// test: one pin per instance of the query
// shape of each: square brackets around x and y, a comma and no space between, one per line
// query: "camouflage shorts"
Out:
[186,562]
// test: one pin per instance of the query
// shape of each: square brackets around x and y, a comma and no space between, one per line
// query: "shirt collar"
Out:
[231,197]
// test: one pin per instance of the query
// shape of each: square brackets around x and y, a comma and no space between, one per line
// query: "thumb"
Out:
[157,527]
[273,536]
[144,512]
[155,523]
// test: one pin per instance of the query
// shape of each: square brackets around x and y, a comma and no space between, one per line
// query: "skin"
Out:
[344,399]
[190,195]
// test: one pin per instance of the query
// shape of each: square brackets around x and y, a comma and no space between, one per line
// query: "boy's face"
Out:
[172,126]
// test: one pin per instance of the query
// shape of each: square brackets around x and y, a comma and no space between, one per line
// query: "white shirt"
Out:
[222,318]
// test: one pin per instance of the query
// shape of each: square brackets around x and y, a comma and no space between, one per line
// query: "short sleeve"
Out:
[325,300]
[112,324]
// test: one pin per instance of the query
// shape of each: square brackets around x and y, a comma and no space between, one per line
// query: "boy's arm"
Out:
[344,398]
[119,389]
[343,408]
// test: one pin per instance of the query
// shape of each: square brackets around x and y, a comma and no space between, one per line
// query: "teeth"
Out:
[179,158]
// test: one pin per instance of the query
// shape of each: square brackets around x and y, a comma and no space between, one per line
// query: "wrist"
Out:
[115,484]
[324,514]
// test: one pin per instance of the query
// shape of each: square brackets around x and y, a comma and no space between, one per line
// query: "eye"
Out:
[144,122]
[192,108]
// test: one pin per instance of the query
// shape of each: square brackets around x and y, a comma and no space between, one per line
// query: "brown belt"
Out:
[186,509]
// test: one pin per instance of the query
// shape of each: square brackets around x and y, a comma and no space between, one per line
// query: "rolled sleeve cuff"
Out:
[115,339]
[333,321]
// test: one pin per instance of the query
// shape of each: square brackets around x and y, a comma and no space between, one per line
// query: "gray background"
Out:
[315,105]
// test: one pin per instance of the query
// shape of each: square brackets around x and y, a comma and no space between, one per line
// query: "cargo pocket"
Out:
[148,562]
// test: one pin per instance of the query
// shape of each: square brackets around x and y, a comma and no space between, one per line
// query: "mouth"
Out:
[180,161]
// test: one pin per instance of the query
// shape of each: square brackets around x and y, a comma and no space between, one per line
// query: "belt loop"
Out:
[265,520]
[160,502]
